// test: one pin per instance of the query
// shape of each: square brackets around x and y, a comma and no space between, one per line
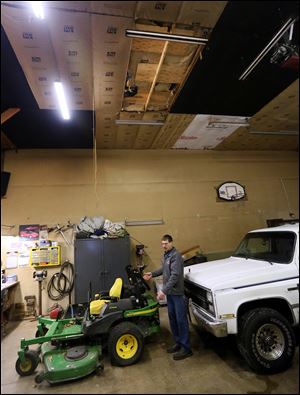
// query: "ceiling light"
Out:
[268,47]
[38,9]
[165,36]
[218,124]
[138,122]
[147,222]
[62,100]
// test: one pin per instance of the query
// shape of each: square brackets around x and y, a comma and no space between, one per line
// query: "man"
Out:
[173,289]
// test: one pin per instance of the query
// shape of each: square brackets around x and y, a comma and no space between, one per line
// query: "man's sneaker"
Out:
[174,348]
[182,354]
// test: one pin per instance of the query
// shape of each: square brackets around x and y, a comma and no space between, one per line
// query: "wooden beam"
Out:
[162,57]
[8,114]
[6,143]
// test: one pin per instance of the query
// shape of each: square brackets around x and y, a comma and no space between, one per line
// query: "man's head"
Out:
[167,242]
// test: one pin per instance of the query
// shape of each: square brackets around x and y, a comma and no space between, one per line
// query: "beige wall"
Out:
[54,186]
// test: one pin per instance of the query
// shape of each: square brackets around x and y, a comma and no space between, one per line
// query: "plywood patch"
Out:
[137,57]
[148,45]
[167,74]
[144,44]
[130,115]
[155,116]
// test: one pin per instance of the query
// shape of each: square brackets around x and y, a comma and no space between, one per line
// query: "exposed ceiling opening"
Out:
[141,93]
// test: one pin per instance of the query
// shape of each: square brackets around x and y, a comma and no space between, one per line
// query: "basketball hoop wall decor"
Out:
[231,191]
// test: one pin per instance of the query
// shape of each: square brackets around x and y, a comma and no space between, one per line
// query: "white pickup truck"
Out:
[253,294]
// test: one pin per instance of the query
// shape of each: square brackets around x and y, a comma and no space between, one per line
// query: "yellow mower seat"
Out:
[96,306]
[114,293]
[116,289]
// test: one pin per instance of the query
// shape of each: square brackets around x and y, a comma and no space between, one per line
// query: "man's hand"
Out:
[160,295]
[147,276]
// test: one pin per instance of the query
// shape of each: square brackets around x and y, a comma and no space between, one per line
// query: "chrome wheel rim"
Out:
[269,342]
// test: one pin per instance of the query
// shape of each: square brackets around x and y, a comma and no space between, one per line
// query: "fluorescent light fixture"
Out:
[147,222]
[291,32]
[62,100]
[279,132]
[165,36]
[215,124]
[138,122]
[268,47]
[38,9]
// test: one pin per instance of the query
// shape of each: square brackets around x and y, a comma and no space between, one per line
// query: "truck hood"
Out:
[237,272]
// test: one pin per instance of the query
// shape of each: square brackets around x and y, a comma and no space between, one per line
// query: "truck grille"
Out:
[196,293]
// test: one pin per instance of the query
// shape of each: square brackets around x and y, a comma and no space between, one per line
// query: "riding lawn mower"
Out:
[71,346]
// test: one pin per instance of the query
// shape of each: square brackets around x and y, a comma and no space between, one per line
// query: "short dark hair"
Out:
[168,238]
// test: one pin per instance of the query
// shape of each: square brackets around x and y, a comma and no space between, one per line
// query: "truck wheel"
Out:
[266,340]
[29,365]
[125,344]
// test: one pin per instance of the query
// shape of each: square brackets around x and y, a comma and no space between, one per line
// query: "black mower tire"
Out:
[32,360]
[266,340]
[39,378]
[125,344]
[37,333]
[99,370]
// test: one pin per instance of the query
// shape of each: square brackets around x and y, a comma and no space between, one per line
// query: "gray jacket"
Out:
[172,271]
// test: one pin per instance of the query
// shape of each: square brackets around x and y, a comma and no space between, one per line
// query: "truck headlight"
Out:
[209,297]
[210,302]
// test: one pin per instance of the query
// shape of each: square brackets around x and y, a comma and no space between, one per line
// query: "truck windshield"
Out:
[277,247]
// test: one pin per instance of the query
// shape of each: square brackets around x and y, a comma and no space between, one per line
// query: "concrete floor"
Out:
[215,368]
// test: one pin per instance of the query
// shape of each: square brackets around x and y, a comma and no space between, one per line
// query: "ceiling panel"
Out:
[271,126]
[241,33]
[110,77]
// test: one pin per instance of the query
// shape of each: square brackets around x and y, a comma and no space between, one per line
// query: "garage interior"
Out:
[156,125]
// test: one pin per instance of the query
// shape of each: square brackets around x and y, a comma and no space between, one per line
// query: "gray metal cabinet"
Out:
[99,262]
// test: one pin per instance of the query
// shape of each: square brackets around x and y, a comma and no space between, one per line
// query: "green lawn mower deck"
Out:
[71,348]
[69,363]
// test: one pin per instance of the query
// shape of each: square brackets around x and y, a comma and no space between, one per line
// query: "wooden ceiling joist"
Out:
[156,74]
[7,114]
[6,143]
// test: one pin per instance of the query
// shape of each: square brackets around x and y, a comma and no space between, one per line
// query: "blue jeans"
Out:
[177,311]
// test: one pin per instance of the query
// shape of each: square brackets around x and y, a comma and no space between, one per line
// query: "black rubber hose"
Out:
[60,285]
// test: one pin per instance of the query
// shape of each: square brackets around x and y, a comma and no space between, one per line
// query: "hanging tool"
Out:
[39,276]
[61,230]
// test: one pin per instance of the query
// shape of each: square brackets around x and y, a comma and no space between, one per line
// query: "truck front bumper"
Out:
[209,323]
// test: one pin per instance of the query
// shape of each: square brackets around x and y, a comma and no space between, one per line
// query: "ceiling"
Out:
[192,94]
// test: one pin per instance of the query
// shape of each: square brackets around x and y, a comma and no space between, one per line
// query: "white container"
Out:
[11,278]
